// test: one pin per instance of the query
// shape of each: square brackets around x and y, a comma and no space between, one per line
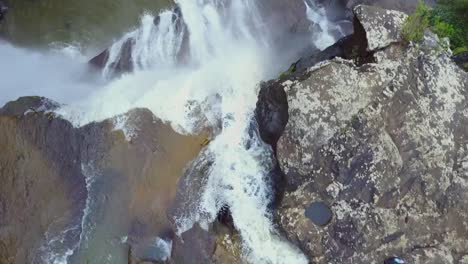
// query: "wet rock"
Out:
[28,104]
[271,112]
[461,60]
[353,47]
[119,168]
[125,62]
[194,246]
[190,190]
[319,213]
[394,260]
[384,144]
[150,250]
[122,65]
[43,189]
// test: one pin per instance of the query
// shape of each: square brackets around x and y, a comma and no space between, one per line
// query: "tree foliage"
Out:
[448,19]
[415,25]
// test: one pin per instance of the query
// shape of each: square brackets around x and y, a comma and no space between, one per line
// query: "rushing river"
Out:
[198,68]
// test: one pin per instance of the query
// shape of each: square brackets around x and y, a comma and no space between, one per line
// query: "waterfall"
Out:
[323,37]
[196,67]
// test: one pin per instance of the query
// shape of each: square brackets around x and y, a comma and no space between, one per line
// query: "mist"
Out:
[58,74]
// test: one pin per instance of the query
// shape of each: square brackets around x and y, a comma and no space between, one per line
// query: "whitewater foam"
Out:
[316,14]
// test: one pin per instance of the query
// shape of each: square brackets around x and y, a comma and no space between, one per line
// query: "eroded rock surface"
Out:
[109,182]
[384,145]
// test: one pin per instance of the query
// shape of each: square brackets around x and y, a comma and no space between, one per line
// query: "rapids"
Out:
[198,68]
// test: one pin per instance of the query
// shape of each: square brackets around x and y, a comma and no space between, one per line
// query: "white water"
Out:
[212,79]
[317,15]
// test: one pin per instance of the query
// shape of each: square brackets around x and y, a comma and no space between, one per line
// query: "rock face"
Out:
[51,171]
[384,146]
[42,188]
[461,60]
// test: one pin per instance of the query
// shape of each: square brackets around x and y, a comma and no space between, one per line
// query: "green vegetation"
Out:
[448,19]
[291,70]
[415,25]
[454,13]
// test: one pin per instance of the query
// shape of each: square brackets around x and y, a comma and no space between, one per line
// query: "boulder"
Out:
[194,246]
[42,190]
[119,59]
[461,60]
[383,145]
[67,188]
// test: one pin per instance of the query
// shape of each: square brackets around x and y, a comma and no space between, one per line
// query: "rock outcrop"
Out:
[384,146]
[42,190]
[461,60]
[105,181]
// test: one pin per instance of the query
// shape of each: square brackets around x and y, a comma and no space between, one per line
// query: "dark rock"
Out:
[394,260]
[461,60]
[194,246]
[28,104]
[125,62]
[122,65]
[271,112]
[3,10]
[353,47]
[319,213]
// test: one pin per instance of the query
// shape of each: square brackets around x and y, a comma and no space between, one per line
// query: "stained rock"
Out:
[384,143]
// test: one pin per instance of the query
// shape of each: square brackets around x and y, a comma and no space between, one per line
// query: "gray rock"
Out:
[382,26]
[385,145]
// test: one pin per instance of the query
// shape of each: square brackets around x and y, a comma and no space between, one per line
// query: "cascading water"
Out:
[227,53]
[317,15]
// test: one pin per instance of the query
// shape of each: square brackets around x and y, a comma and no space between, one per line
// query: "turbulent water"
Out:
[198,68]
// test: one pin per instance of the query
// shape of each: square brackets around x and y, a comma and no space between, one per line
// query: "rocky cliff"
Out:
[375,154]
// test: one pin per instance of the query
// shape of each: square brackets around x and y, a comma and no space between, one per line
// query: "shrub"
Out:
[442,29]
[454,13]
[460,50]
[415,25]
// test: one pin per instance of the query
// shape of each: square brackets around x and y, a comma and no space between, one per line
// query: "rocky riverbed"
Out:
[370,143]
